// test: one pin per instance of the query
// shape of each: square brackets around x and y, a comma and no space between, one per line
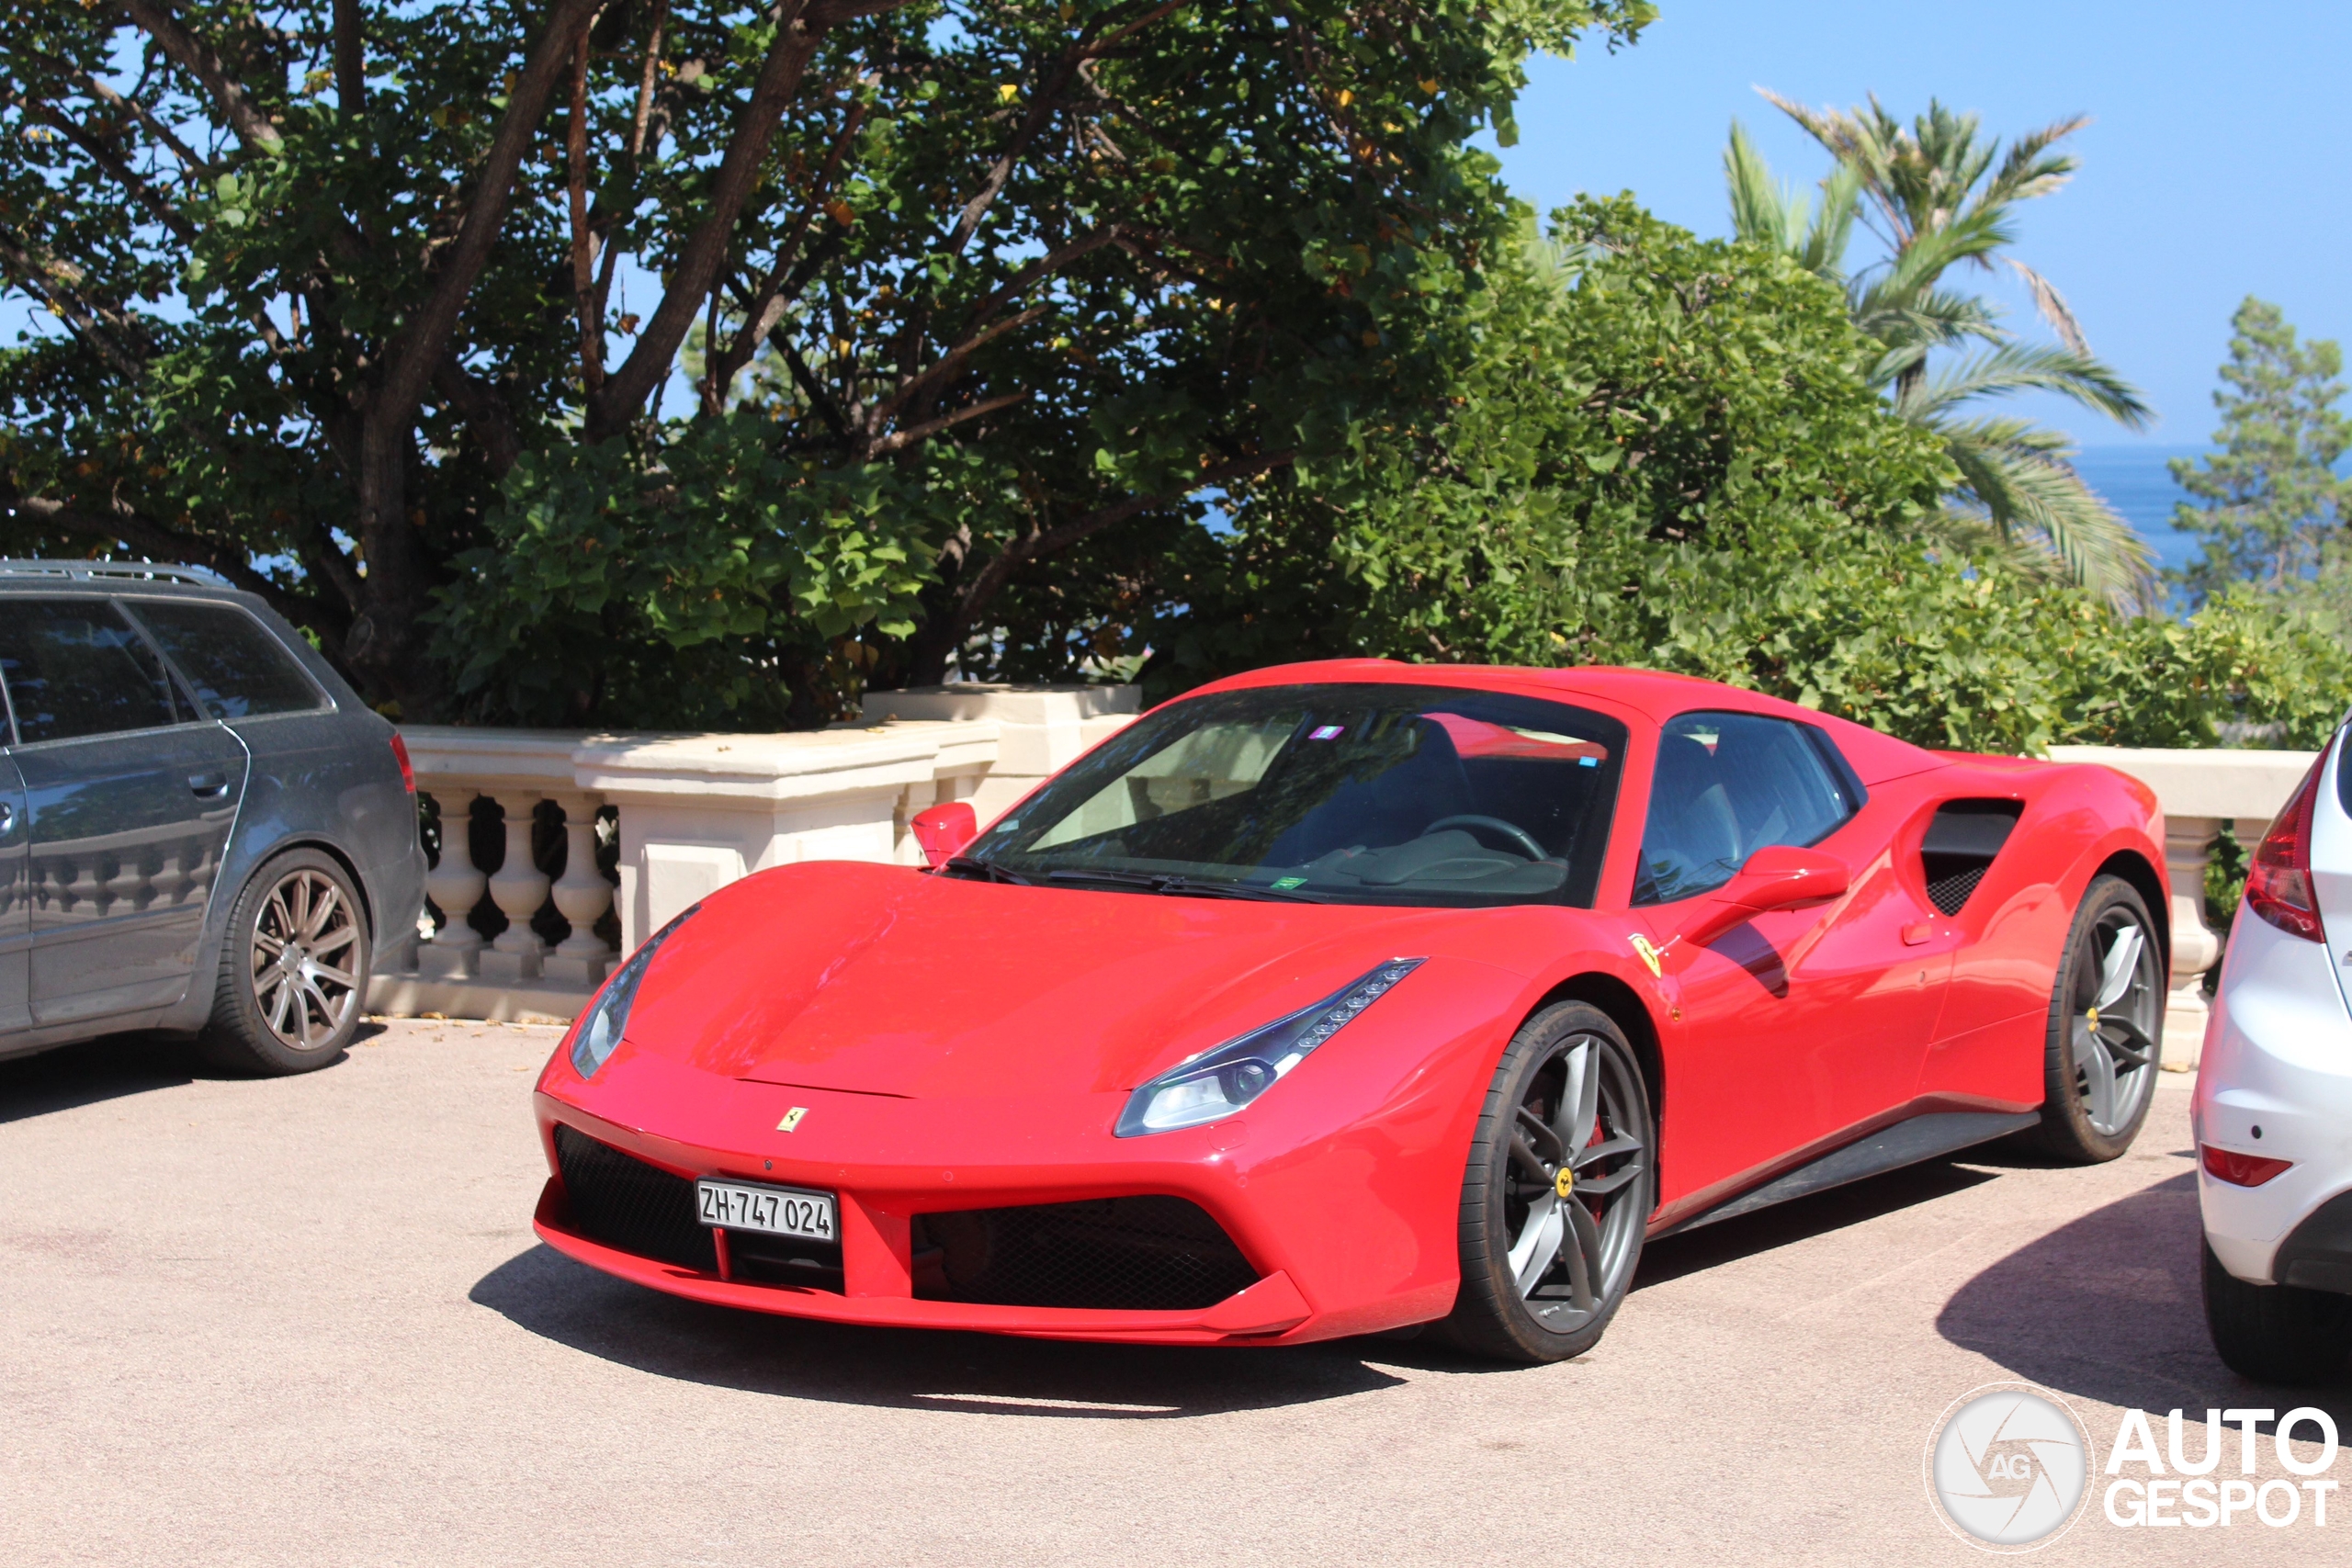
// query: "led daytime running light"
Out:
[1217,1082]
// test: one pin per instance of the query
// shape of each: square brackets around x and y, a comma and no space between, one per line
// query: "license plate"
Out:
[778,1211]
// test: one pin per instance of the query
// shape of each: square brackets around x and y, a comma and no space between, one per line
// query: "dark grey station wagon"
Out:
[202,829]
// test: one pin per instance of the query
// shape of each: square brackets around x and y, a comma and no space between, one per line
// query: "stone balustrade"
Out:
[681,816]
[684,815]
[2200,793]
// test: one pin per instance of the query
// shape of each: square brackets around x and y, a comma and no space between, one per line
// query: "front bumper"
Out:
[2278,1057]
[1348,1232]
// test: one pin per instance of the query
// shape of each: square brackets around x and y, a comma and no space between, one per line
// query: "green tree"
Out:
[337,298]
[2269,505]
[1658,451]
[1938,197]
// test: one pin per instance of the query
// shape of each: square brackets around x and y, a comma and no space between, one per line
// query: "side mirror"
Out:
[946,831]
[1779,876]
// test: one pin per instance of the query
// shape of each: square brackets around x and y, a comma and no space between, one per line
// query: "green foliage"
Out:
[976,287]
[1940,198]
[2269,505]
[1669,453]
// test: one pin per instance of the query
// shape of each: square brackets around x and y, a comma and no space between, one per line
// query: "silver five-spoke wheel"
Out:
[1557,1190]
[2115,1024]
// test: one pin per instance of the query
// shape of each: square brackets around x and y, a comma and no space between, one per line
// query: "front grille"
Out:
[1117,1254]
[621,1201]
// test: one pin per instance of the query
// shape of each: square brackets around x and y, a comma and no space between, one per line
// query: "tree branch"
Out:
[798,31]
[112,162]
[419,347]
[992,577]
[57,285]
[350,60]
[945,368]
[584,253]
[900,439]
[198,58]
[122,523]
[766,305]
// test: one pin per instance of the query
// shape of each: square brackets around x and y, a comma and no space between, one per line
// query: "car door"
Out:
[15,908]
[130,799]
[1799,1023]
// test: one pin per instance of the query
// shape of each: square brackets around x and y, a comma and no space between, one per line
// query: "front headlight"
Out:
[1220,1081]
[601,1030]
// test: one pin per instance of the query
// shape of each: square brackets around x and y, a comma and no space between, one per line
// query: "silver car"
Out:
[202,828]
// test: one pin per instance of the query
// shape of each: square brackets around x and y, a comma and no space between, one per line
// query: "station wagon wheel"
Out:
[2106,1028]
[1557,1193]
[293,976]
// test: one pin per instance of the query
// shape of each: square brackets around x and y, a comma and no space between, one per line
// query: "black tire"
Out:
[1561,1308]
[272,1014]
[2275,1334]
[2128,1031]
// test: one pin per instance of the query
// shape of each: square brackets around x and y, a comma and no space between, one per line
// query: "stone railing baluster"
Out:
[518,888]
[582,896]
[457,886]
[2188,846]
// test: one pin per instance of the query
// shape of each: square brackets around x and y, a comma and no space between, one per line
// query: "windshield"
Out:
[1371,793]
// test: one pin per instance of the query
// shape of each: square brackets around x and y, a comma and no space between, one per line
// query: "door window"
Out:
[1728,785]
[76,667]
[239,671]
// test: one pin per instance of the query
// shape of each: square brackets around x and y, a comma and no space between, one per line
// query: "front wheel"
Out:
[293,968]
[1557,1193]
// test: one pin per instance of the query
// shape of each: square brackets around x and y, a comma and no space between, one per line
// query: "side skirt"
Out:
[1889,1148]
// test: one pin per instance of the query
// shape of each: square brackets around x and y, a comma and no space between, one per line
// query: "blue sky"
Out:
[2213,168]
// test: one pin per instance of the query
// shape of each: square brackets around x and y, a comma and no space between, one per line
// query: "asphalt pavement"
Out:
[305,1322]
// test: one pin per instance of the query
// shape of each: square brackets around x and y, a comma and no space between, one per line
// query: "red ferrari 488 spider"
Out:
[1345,996]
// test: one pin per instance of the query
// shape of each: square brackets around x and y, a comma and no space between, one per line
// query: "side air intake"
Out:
[1959,847]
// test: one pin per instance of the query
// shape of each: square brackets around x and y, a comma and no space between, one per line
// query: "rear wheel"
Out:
[2276,1333]
[2106,1021]
[293,968]
[1556,1192]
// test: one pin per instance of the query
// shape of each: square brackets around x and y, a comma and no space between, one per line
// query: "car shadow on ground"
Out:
[2109,1307]
[550,1296]
[110,1068]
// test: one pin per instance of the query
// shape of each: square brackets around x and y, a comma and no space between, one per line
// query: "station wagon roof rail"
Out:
[102,570]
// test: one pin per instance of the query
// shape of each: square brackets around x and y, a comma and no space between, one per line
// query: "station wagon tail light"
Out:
[2279,883]
[399,755]
[1220,1081]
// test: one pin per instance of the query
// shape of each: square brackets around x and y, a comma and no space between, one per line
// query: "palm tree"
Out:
[1938,198]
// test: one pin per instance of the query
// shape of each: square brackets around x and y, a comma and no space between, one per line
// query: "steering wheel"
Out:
[1517,834]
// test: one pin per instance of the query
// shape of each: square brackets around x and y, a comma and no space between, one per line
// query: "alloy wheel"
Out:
[303,983]
[1570,1197]
[2114,1029]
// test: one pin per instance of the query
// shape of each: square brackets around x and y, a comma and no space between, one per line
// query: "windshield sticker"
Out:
[1328,732]
[1284,884]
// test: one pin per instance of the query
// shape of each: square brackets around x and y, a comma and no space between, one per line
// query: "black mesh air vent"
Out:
[1117,1254]
[621,1201]
[1960,846]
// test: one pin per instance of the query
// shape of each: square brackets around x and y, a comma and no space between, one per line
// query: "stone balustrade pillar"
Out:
[519,889]
[2188,846]
[456,884]
[582,896]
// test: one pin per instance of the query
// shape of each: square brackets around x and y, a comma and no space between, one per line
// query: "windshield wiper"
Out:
[988,871]
[1167,882]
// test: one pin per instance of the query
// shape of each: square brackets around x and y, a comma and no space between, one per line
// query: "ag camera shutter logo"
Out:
[2007,1467]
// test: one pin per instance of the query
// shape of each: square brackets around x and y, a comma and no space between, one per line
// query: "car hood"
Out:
[883,980]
